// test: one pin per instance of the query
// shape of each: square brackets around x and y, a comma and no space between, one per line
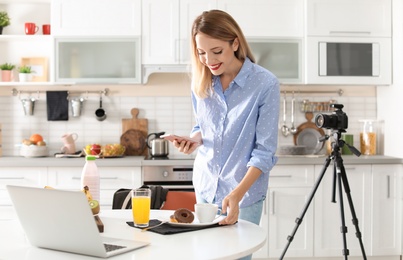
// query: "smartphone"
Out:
[171,137]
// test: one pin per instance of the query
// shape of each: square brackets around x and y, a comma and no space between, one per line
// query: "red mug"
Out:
[31,28]
[46,29]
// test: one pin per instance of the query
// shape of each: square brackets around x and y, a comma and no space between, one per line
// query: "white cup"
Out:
[207,212]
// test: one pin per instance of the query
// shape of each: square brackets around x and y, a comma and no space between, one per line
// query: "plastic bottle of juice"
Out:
[90,177]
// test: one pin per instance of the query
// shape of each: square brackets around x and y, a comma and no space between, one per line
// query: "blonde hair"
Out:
[221,26]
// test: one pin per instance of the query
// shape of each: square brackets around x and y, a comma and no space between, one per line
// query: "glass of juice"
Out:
[141,202]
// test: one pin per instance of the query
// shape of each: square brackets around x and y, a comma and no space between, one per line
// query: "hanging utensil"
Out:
[100,112]
[293,129]
[284,129]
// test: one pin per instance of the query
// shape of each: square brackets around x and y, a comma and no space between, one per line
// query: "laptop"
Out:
[62,220]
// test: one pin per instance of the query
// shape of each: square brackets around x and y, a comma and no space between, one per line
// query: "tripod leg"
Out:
[343,228]
[299,219]
[352,210]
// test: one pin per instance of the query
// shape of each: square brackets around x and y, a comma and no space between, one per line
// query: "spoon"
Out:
[148,228]
[284,129]
[293,129]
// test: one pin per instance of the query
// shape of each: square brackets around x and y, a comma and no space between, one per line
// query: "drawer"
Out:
[112,178]
[292,176]
[35,177]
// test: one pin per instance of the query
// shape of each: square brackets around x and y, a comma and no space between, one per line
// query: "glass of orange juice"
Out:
[141,202]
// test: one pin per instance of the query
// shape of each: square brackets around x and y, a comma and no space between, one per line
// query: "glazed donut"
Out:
[183,215]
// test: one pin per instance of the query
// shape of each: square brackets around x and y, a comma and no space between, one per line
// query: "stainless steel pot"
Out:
[158,146]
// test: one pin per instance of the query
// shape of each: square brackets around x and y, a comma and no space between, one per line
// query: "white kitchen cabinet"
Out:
[289,187]
[282,57]
[328,237]
[360,18]
[386,212]
[96,17]
[21,176]
[112,179]
[267,18]
[167,28]
[98,60]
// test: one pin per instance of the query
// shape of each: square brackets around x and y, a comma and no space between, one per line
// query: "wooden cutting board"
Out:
[134,134]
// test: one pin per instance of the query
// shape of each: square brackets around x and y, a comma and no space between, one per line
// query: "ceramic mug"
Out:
[46,29]
[207,212]
[69,145]
[31,28]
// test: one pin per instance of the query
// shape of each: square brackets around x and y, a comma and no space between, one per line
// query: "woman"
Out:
[236,105]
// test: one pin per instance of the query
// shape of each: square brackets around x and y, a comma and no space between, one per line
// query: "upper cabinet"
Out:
[98,60]
[287,37]
[166,29]
[282,57]
[96,17]
[97,41]
[360,18]
[166,33]
[267,18]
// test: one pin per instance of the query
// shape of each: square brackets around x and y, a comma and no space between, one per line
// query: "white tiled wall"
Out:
[356,108]
[169,114]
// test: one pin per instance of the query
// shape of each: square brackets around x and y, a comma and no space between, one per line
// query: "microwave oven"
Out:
[349,60]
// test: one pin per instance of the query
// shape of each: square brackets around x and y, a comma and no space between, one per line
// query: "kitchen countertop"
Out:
[138,161]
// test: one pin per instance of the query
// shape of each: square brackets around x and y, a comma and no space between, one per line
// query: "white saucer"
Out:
[196,223]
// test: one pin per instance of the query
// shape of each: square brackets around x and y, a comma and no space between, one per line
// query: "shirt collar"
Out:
[243,74]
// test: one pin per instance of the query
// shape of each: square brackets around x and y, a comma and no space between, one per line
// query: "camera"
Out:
[337,121]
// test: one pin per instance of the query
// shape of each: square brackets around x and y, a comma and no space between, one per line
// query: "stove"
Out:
[171,172]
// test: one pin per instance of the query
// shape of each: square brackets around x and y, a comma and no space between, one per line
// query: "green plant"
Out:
[7,66]
[4,19]
[25,69]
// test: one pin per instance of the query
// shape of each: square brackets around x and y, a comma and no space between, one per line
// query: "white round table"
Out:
[224,242]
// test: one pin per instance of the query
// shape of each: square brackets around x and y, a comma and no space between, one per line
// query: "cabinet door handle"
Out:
[272,212]
[350,32]
[102,178]
[108,178]
[388,186]
[12,178]
[281,176]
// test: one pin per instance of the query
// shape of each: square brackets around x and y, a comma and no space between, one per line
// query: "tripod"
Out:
[340,176]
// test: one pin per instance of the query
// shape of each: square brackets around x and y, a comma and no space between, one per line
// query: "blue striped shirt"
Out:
[239,128]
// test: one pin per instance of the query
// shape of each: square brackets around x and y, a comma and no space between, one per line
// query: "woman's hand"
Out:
[230,202]
[188,147]
[185,147]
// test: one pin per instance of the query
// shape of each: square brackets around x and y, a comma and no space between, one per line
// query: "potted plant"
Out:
[4,20]
[25,73]
[6,71]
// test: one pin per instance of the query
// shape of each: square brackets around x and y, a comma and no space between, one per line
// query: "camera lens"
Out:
[319,120]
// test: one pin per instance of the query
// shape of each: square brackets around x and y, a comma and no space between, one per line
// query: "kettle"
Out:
[157,145]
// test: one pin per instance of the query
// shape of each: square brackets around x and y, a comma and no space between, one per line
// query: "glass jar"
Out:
[368,136]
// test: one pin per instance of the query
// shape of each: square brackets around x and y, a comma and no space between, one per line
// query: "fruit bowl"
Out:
[105,151]
[113,150]
[34,151]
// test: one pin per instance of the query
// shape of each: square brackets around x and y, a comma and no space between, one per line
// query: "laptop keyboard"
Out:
[110,247]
